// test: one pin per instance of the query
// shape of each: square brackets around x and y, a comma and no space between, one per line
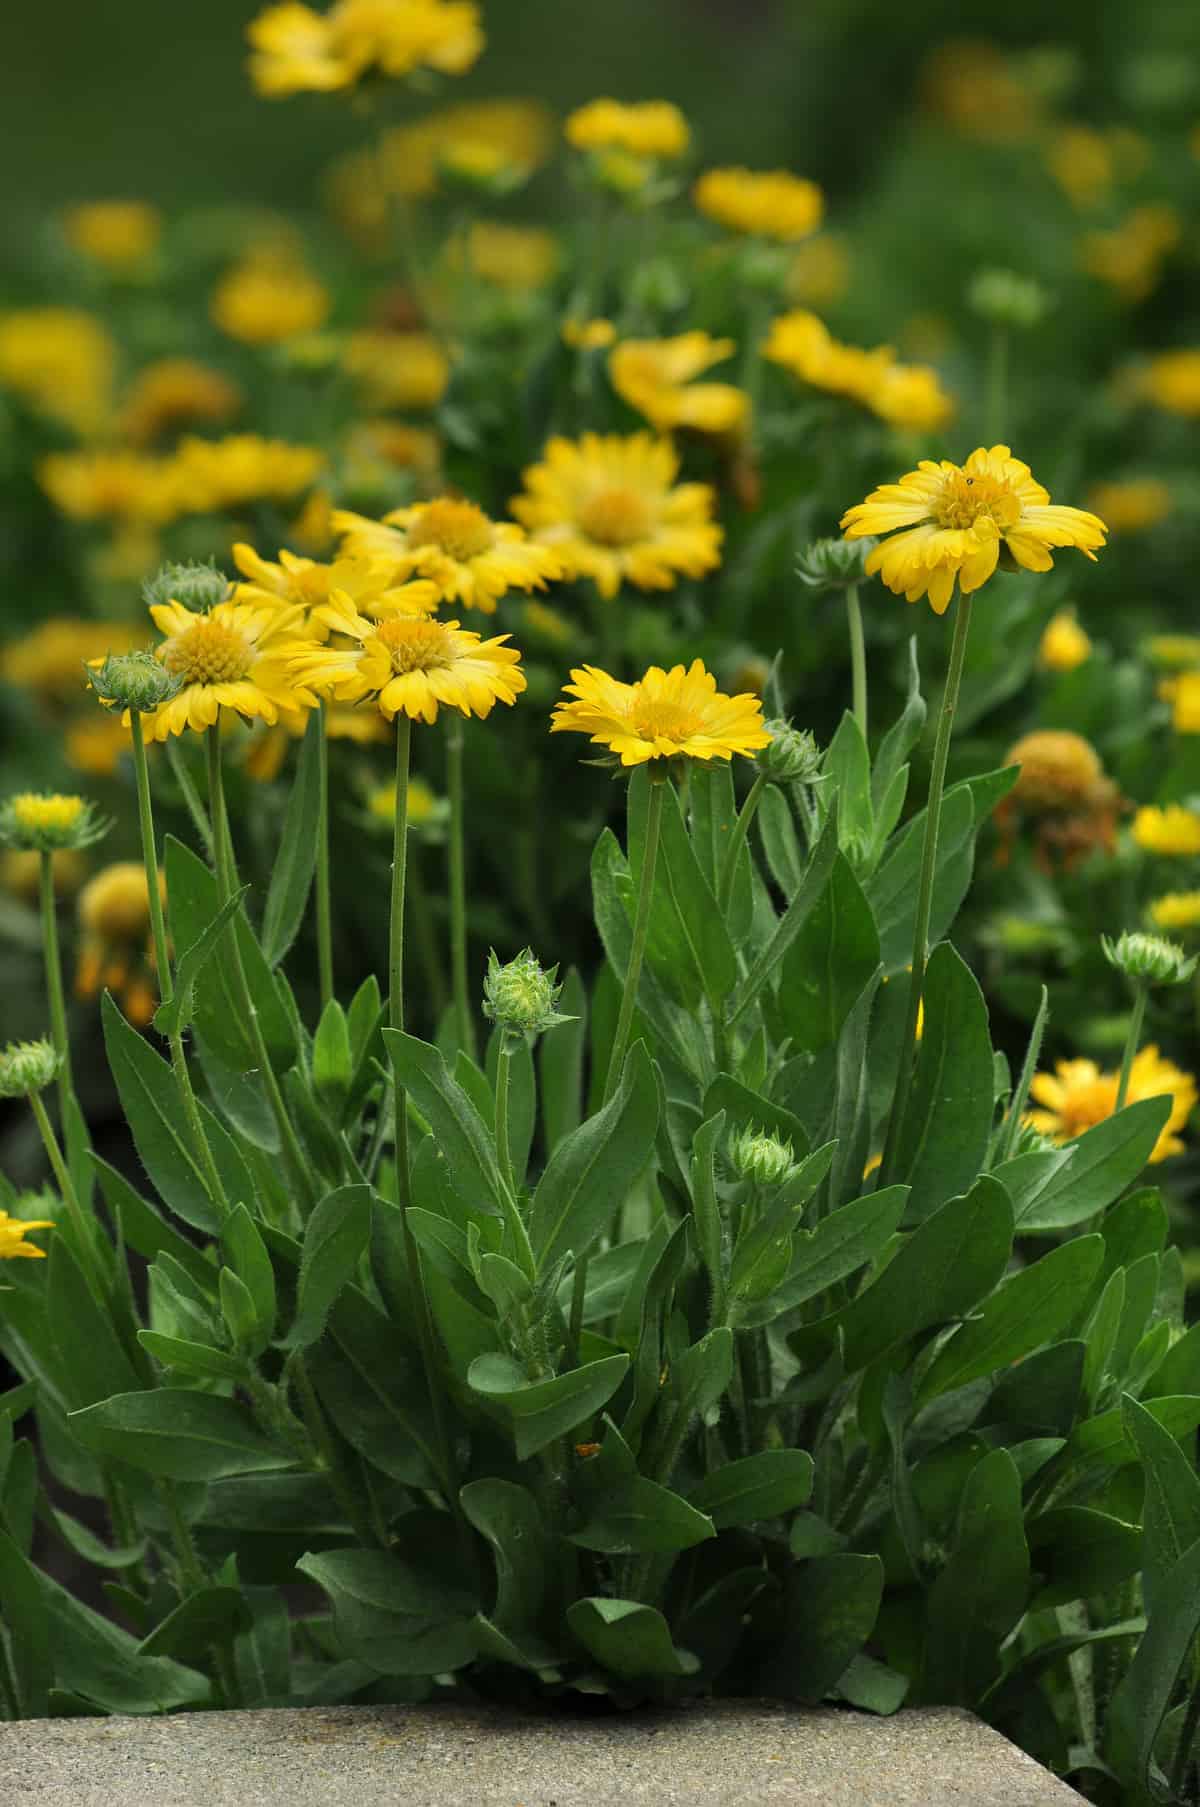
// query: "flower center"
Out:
[615,517]
[34,811]
[664,720]
[457,528]
[415,645]
[967,499]
[208,653]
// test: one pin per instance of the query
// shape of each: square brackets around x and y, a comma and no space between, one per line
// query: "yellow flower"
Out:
[647,128]
[588,335]
[1176,910]
[973,88]
[370,583]
[511,257]
[296,48]
[424,807]
[49,659]
[1171,830]
[409,665]
[472,559]
[1185,704]
[666,715]
[397,444]
[512,136]
[819,272]
[1174,650]
[267,299]
[1172,381]
[1130,506]
[61,361]
[655,377]
[13,1231]
[955,520]
[397,370]
[1064,645]
[176,392]
[1078,1095]
[118,234]
[228,658]
[1081,161]
[905,395]
[768,203]
[1059,770]
[116,948]
[95,745]
[610,507]
[40,812]
[909,397]
[1130,257]
[111,485]
[212,475]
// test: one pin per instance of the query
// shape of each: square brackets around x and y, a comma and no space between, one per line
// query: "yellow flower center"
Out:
[662,719]
[415,645]
[457,528]
[967,499]
[615,517]
[33,811]
[208,653]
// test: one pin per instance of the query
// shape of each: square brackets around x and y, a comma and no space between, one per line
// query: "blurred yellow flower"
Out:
[1130,256]
[1176,910]
[908,396]
[397,370]
[424,806]
[1132,505]
[511,136]
[13,1231]
[665,715]
[1170,830]
[96,744]
[227,658]
[972,86]
[111,485]
[1060,770]
[408,665]
[470,558]
[819,273]
[588,335]
[612,510]
[1173,650]
[955,521]
[116,948]
[648,128]
[1080,159]
[297,49]
[120,235]
[546,623]
[1078,1095]
[173,393]
[61,361]
[268,298]
[511,257]
[767,203]
[655,376]
[1064,644]
[42,812]
[307,583]
[211,475]
[21,872]
[49,659]
[394,443]
[1185,704]
[1172,381]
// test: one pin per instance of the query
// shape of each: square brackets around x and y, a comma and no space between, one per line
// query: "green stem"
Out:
[464,1021]
[358,1518]
[737,841]
[190,795]
[996,400]
[194,1578]
[503,1150]
[933,817]
[66,1187]
[641,929]
[858,656]
[324,893]
[54,983]
[1133,1036]
[1016,1109]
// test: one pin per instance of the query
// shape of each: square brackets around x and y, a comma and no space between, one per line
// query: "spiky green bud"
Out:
[1005,298]
[1148,959]
[48,822]
[758,1155]
[197,587]
[791,757]
[27,1067]
[520,997]
[833,564]
[133,681]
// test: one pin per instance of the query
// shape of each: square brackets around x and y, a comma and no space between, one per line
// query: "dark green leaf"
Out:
[829,963]
[335,1238]
[508,1517]
[1171,1511]
[983,1589]
[1144,1694]
[589,1174]
[206,1617]
[461,1133]
[541,1410]
[762,1486]
[948,1119]
[180,1435]
[291,876]
[828,1613]
[23,1607]
[1103,1162]
[628,1639]
[1082,1553]
[173,1017]
[397,1617]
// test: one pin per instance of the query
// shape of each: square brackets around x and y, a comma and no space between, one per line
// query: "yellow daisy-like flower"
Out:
[1185,703]
[819,272]
[408,665]
[589,335]
[212,475]
[512,137]
[61,361]
[1172,381]
[173,393]
[397,370]
[46,812]
[767,203]
[116,945]
[111,485]
[1173,830]
[267,299]
[1059,770]
[13,1231]
[908,396]
[666,715]
[48,659]
[96,745]
[1132,505]
[1176,910]
[298,49]
[471,559]
[656,376]
[370,583]
[956,519]
[1078,1095]
[1130,257]
[610,507]
[647,128]
[120,235]
[229,658]
[1063,645]
[509,257]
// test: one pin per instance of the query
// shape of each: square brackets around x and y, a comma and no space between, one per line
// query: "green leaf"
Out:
[397,1617]
[948,1119]
[829,963]
[541,1410]
[688,945]
[744,1106]
[983,1589]
[1103,1162]
[903,734]
[841,1243]
[173,1017]
[332,1059]
[150,1099]
[1106,1442]
[628,1639]
[296,856]
[1143,1695]
[1082,1553]
[143,1227]
[248,1257]
[1041,1394]
[589,1174]
[335,1238]
[207,1617]
[177,1434]
[85,1343]
[762,1486]
[1024,1312]
[637,1516]
[777,833]
[848,765]
[801,905]
[892,890]
[509,1518]
[461,1133]
[1171,1509]
[713,808]
[872,1686]
[706,1211]
[192,1358]
[560,1065]
[23,1607]
[103,1665]
[828,1611]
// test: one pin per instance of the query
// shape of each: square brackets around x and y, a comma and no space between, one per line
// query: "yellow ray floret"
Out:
[610,508]
[957,519]
[770,203]
[469,558]
[1174,829]
[407,665]
[656,376]
[229,658]
[13,1231]
[1077,1095]
[297,49]
[371,584]
[665,715]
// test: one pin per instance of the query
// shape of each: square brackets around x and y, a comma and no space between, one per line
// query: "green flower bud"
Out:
[765,268]
[1006,299]
[833,564]
[758,1155]
[47,822]
[197,587]
[520,997]
[1148,959]
[27,1067]
[792,757]
[133,681]
[657,286]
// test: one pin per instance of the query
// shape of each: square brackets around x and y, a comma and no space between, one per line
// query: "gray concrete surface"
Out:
[727,1754]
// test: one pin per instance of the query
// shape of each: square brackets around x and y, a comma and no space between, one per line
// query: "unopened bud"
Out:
[1005,298]
[198,587]
[27,1067]
[833,564]
[792,756]
[521,996]
[47,822]
[1148,959]
[133,681]
[758,1155]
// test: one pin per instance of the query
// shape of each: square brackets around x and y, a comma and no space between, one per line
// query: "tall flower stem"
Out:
[464,1022]
[324,892]
[641,929]
[162,962]
[70,1198]
[858,656]
[503,1149]
[737,840]
[54,984]
[426,1329]
[1133,1036]
[929,853]
[223,853]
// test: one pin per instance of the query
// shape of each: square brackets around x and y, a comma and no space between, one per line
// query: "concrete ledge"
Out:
[722,1754]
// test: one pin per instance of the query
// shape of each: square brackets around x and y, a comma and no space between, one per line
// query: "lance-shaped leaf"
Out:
[628,1639]
[592,1169]
[541,1410]
[461,1132]
[291,877]
[177,1434]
